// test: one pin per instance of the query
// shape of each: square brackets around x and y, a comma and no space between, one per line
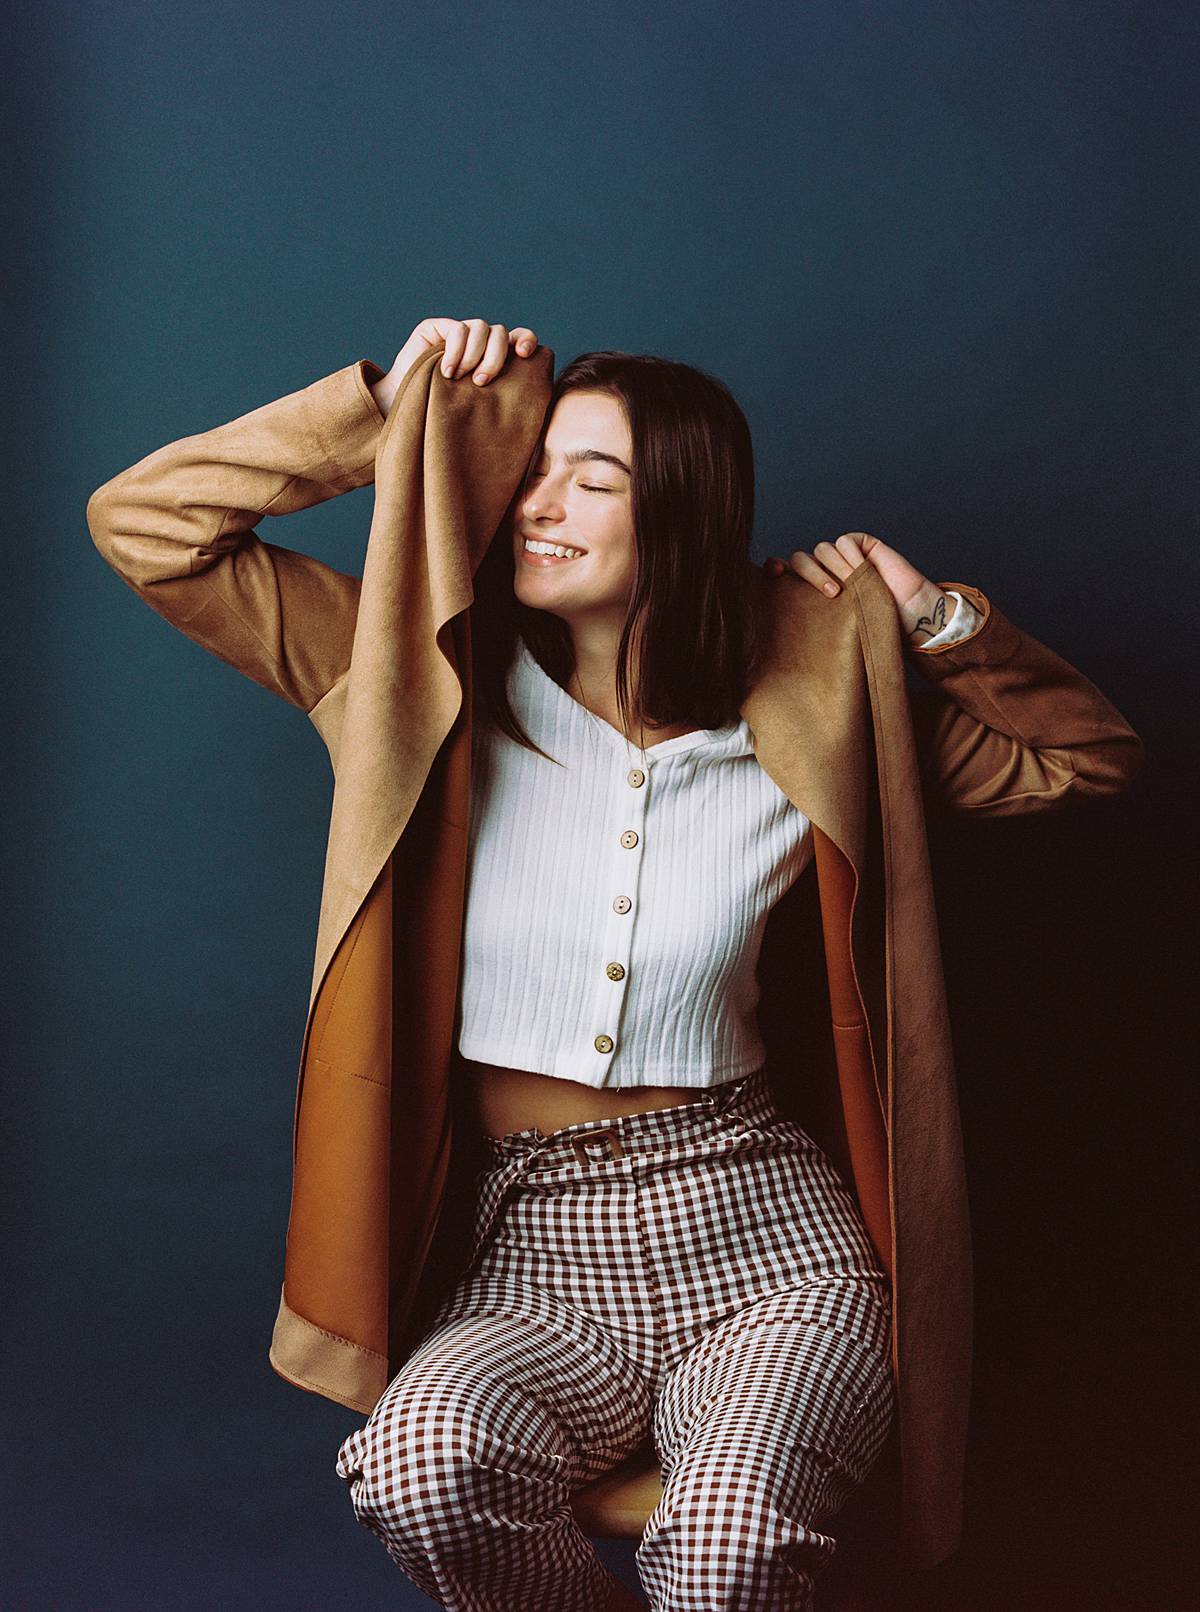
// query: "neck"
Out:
[595,643]
[595,679]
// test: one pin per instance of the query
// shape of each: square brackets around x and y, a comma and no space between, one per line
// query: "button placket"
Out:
[626,840]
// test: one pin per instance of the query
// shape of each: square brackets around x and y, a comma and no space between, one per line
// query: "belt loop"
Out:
[530,1150]
[719,1099]
[722,1099]
[610,1137]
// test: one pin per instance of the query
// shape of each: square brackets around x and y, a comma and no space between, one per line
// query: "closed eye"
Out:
[588,487]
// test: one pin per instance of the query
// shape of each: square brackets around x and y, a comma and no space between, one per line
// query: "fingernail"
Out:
[831,587]
[446,369]
[480,377]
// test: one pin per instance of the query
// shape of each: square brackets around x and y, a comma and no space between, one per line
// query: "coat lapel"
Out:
[809,707]
[447,465]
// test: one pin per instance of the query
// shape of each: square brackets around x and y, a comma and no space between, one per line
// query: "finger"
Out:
[850,544]
[525,339]
[435,329]
[478,331]
[456,341]
[834,560]
[807,568]
[494,355]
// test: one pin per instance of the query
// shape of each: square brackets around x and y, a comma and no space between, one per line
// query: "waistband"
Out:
[749,1097]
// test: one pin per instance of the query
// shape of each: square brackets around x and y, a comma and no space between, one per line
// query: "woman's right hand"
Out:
[473,347]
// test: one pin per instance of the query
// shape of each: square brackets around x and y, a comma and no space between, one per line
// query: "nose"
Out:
[542,500]
[540,508]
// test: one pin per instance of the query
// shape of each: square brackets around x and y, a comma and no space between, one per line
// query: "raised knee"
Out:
[428,1456]
[414,1459]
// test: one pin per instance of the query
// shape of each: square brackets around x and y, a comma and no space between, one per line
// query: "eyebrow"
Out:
[576,456]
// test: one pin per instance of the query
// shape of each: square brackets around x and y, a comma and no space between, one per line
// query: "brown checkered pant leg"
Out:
[699,1271]
[765,1429]
[466,1466]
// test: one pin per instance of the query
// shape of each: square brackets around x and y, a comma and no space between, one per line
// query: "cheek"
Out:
[616,533]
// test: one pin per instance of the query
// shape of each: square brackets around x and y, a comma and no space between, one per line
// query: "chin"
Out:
[535,600]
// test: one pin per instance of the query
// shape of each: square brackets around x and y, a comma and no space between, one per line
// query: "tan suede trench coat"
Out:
[383,667]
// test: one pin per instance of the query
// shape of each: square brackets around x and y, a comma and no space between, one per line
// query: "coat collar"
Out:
[448,462]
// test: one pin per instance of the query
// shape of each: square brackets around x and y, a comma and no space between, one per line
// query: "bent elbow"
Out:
[1132,758]
[1114,768]
[109,516]
[99,517]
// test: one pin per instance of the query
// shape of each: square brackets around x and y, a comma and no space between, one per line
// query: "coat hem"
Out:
[309,1357]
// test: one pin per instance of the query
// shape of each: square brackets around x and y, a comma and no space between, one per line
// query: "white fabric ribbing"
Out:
[696,839]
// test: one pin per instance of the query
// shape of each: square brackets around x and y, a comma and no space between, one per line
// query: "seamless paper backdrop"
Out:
[944,257]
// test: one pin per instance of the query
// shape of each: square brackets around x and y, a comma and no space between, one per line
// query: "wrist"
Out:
[926,613]
[384,393]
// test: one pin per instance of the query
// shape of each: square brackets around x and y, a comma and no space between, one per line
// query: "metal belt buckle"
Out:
[610,1137]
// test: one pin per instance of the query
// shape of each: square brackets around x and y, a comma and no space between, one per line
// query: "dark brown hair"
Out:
[692,604]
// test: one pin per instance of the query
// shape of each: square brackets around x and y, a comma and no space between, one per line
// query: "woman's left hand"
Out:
[922,606]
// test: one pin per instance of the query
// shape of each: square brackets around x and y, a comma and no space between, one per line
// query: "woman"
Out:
[655,1245]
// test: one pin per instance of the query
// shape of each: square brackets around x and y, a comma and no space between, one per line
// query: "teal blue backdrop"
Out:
[945,256]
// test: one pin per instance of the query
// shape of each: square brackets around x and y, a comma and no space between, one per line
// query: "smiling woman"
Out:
[645,471]
[659,1256]
[615,511]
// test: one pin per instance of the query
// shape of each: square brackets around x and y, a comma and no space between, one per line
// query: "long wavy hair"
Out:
[691,608]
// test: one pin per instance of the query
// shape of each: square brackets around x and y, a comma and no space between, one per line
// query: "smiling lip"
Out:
[545,561]
[536,537]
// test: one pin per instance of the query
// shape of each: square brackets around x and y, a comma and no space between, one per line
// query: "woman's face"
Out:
[578,495]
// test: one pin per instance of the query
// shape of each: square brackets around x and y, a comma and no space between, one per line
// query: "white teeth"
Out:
[535,547]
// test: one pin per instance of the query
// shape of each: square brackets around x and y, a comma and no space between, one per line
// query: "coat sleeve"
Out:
[178,527]
[1010,726]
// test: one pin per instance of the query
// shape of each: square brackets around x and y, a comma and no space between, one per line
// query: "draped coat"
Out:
[382,666]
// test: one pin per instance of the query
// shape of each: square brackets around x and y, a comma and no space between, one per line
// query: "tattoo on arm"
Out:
[933,624]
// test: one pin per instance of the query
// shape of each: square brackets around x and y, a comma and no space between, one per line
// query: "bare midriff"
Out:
[505,1100]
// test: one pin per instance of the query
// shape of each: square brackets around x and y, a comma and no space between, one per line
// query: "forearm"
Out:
[179,528]
[174,511]
[1017,725]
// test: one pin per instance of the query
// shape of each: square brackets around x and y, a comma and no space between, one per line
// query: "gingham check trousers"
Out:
[699,1272]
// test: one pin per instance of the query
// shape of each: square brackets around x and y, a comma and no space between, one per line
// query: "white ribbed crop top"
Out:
[615,910]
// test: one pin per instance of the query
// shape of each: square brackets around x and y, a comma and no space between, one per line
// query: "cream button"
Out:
[622,904]
[615,971]
[629,839]
[636,777]
[604,1043]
